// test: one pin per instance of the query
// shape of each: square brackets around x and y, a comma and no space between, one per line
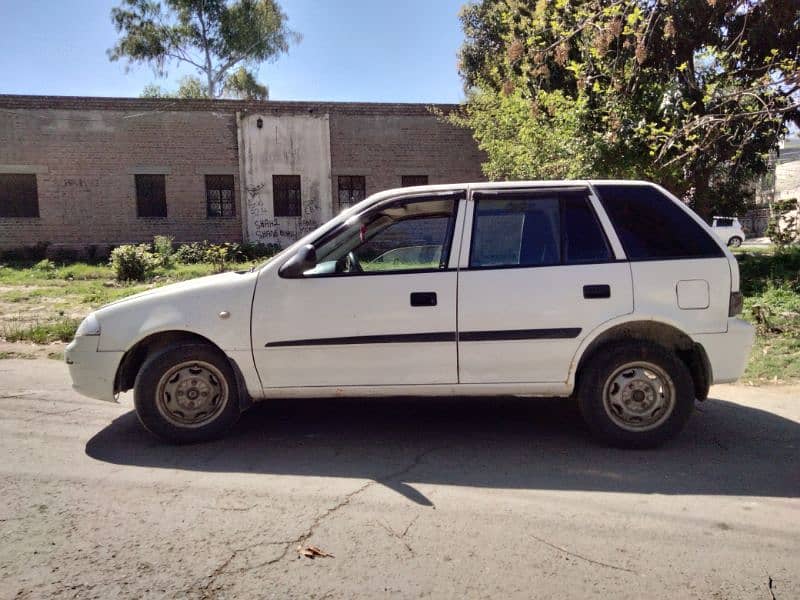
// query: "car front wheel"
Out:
[735,242]
[186,394]
[635,395]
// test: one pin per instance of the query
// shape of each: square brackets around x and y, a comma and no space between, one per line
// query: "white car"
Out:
[729,230]
[611,291]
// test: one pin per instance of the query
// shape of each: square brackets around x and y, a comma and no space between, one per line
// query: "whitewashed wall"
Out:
[284,145]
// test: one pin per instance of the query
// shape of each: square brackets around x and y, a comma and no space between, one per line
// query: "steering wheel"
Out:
[348,264]
[351,263]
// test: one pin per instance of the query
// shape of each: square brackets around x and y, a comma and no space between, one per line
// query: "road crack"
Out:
[580,556]
[311,529]
[769,586]
[400,536]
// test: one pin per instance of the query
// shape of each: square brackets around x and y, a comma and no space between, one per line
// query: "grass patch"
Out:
[62,330]
[761,270]
[4,355]
[45,303]
[771,286]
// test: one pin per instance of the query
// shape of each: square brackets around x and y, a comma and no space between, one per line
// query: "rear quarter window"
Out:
[652,227]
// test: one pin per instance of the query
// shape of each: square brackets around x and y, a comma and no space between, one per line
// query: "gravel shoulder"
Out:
[413,497]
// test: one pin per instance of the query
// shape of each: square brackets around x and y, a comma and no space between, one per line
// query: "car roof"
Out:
[493,185]
[441,188]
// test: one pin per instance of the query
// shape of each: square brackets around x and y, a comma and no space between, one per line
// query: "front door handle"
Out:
[423,298]
[597,291]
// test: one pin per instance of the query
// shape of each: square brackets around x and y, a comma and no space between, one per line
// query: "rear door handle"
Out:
[423,298]
[597,291]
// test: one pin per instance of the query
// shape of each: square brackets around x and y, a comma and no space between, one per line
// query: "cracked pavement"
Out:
[414,498]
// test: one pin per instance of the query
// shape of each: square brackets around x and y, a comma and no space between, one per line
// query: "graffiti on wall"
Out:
[267,228]
[294,147]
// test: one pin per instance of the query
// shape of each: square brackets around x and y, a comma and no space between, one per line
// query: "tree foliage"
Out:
[188,88]
[223,40]
[690,93]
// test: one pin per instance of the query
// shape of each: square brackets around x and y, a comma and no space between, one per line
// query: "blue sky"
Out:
[352,50]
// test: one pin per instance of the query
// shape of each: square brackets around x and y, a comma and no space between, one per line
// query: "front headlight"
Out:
[89,326]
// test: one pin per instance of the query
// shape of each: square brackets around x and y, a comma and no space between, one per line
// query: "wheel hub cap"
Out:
[639,396]
[191,394]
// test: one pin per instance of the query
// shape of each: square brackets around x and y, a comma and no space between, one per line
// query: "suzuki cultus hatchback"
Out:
[612,292]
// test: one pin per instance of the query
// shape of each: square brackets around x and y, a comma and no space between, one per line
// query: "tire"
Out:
[186,394]
[635,394]
[735,241]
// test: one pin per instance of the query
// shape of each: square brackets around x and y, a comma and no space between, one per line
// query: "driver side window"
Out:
[401,236]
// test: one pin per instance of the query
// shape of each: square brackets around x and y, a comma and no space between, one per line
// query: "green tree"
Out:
[223,40]
[188,88]
[242,84]
[690,93]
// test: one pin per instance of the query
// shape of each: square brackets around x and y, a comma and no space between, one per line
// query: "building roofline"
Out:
[33,102]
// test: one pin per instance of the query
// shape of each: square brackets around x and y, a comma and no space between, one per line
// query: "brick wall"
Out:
[86,151]
[384,147]
[85,161]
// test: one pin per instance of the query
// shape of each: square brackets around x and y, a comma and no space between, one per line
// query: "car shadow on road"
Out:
[727,448]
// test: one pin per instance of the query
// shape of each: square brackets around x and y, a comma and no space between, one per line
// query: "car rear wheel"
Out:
[635,395]
[735,242]
[186,394]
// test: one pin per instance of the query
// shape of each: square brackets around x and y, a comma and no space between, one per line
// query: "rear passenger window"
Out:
[545,228]
[516,231]
[652,227]
[584,240]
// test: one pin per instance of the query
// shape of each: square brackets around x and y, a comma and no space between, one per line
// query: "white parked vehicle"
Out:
[729,230]
[612,291]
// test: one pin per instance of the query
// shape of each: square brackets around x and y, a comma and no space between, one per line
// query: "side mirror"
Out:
[304,260]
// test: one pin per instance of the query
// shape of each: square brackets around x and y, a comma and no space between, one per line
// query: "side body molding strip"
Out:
[443,336]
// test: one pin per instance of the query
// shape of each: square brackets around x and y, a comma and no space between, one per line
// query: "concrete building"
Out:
[787,171]
[79,172]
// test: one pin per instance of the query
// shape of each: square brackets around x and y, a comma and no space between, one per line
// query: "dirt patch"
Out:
[25,350]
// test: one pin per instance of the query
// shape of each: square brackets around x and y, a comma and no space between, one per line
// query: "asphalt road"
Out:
[414,498]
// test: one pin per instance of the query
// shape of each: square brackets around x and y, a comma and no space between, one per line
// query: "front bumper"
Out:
[728,352]
[92,372]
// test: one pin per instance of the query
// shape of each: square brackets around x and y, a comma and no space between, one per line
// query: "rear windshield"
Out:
[652,227]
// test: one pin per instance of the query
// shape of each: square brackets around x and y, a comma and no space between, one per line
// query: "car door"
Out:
[539,274]
[378,309]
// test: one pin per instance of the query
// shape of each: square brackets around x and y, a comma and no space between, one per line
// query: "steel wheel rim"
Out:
[639,396]
[192,394]
[736,242]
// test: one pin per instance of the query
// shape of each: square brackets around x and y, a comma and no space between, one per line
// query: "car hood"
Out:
[218,282]
[216,307]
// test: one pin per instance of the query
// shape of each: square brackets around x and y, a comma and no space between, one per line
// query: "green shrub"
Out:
[257,251]
[219,255]
[192,253]
[45,266]
[198,252]
[133,263]
[783,226]
[760,271]
[163,249]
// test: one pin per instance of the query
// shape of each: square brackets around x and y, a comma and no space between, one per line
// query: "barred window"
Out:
[219,196]
[151,196]
[19,196]
[352,190]
[409,180]
[286,195]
